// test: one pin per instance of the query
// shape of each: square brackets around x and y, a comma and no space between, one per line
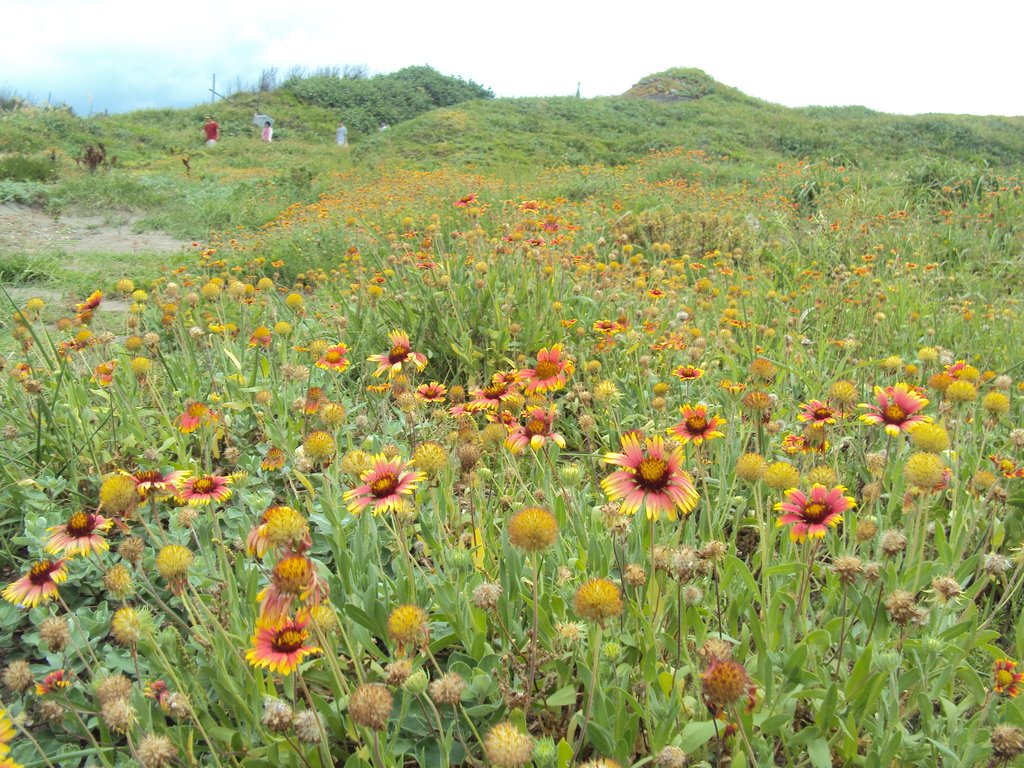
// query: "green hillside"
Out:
[679,107]
[701,114]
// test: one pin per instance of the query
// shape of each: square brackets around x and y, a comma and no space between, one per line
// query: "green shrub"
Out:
[20,168]
[365,103]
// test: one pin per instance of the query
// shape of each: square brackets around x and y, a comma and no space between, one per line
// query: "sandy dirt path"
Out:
[28,230]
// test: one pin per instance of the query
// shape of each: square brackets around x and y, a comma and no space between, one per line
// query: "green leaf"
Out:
[826,711]
[564,751]
[819,753]
[735,566]
[772,723]
[697,734]
[563,697]
[859,674]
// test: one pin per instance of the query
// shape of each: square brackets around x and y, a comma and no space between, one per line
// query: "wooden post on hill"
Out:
[213,90]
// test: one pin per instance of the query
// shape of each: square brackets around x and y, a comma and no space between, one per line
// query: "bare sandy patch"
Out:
[29,230]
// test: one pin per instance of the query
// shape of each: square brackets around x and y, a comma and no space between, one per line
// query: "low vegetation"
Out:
[597,433]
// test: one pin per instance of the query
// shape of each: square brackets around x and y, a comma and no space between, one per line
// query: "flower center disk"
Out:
[697,423]
[652,473]
[288,640]
[536,427]
[546,369]
[816,511]
[894,414]
[79,524]
[384,486]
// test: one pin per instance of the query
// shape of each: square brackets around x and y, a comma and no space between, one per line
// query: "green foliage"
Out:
[21,168]
[772,274]
[18,268]
[365,103]
[676,84]
[27,192]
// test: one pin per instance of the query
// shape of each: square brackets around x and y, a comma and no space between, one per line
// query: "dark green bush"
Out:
[365,103]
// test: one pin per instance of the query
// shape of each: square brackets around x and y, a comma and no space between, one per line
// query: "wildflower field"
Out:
[684,461]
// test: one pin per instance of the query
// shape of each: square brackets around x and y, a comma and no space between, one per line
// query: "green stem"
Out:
[591,694]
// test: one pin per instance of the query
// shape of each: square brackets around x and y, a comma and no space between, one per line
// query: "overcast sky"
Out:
[905,56]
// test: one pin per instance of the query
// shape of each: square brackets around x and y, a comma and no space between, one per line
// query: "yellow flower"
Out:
[407,624]
[598,600]
[533,529]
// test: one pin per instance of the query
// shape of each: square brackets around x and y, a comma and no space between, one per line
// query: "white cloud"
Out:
[910,56]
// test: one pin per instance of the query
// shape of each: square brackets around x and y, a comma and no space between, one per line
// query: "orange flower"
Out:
[103,374]
[551,373]
[535,432]
[384,485]
[194,415]
[205,488]
[687,372]
[82,534]
[897,407]
[696,426]
[811,516]
[1005,679]
[432,392]
[401,353]
[334,358]
[650,477]
[37,586]
[260,337]
[280,646]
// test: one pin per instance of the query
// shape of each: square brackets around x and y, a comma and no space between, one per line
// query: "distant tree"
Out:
[355,72]
[332,70]
[268,80]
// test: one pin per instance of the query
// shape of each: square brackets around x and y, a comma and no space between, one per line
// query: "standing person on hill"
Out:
[212,131]
[268,132]
[341,135]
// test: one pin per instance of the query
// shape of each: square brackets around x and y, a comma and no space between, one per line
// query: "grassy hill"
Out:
[692,110]
[164,172]
[679,107]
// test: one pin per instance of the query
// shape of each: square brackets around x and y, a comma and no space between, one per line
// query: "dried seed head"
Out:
[847,568]
[715,648]
[866,528]
[634,575]
[447,689]
[507,747]
[670,757]
[17,676]
[902,608]
[131,549]
[277,715]
[398,672]
[946,589]
[309,726]
[995,565]
[893,542]
[1007,742]
[156,751]
[370,706]
[486,595]
[112,688]
[55,632]
[119,715]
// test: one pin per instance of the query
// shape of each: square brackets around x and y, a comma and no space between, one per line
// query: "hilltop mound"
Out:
[676,84]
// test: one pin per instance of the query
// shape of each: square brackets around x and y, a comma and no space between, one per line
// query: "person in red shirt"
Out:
[212,131]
